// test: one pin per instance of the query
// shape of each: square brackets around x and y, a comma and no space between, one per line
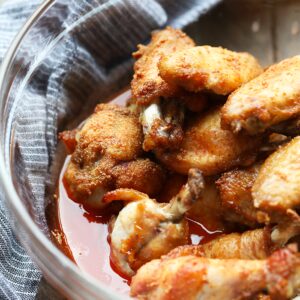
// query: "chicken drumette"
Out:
[161,103]
[145,229]
[105,156]
[192,277]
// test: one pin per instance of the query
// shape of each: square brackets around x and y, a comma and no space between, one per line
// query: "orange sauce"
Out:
[85,232]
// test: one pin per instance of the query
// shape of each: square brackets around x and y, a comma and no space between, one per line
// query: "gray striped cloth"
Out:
[94,56]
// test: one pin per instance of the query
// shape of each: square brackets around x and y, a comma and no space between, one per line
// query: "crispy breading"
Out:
[142,174]
[206,68]
[147,86]
[252,244]
[235,193]
[192,277]
[268,99]
[111,136]
[276,189]
[208,147]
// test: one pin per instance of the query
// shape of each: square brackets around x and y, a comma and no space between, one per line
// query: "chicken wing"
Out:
[206,68]
[147,86]
[145,229]
[109,142]
[252,244]
[268,99]
[191,277]
[235,193]
[276,189]
[208,147]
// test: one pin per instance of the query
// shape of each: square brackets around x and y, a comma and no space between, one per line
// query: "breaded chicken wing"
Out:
[109,142]
[252,244]
[206,68]
[147,86]
[276,189]
[235,193]
[146,229]
[192,277]
[208,147]
[268,99]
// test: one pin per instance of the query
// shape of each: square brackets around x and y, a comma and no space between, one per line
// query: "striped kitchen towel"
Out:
[94,54]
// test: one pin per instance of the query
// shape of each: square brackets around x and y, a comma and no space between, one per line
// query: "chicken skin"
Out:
[106,156]
[267,100]
[235,194]
[192,277]
[145,229]
[252,244]
[206,68]
[208,147]
[276,189]
[147,86]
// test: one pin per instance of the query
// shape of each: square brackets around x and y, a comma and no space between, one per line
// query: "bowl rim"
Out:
[13,200]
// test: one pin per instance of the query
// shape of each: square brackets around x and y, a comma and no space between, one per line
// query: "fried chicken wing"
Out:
[147,86]
[146,229]
[109,142]
[276,189]
[235,193]
[251,244]
[208,147]
[191,277]
[206,68]
[268,99]
[162,125]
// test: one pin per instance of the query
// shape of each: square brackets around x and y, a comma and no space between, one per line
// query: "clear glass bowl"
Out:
[268,29]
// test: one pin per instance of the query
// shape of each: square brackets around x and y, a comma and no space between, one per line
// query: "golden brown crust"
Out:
[276,189]
[147,86]
[252,244]
[206,68]
[224,279]
[142,174]
[105,157]
[68,137]
[209,148]
[235,193]
[268,99]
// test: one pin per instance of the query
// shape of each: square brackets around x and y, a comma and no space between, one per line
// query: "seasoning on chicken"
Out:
[206,68]
[267,100]
[252,244]
[276,189]
[106,157]
[208,147]
[147,86]
[162,125]
[146,229]
[235,193]
[192,277]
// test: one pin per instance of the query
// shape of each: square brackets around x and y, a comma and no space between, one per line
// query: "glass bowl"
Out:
[268,29]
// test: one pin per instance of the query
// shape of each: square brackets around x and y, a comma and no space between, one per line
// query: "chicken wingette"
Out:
[276,189]
[206,68]
[208,147]
[269,99]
